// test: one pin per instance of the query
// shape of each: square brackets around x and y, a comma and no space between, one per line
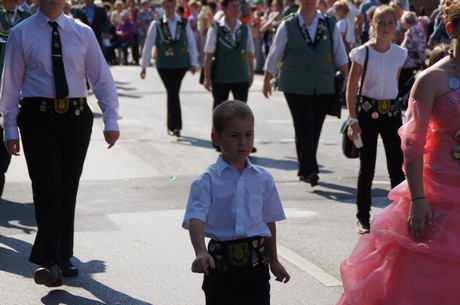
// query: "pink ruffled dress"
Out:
[387,267]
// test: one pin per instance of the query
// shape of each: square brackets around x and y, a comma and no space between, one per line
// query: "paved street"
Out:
[129,244]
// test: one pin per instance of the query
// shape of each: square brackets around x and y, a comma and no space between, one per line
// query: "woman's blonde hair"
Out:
[383,10]
[451,11]
[342,5]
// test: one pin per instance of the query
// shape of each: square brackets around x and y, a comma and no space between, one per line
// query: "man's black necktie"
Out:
[62,90]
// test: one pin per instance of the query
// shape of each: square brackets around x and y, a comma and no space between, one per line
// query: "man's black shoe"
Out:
[312,179]
[68,269]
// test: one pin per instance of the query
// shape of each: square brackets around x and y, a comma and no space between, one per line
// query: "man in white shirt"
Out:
[48,58]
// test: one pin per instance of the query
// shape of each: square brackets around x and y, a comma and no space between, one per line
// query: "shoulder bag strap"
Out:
[364,72]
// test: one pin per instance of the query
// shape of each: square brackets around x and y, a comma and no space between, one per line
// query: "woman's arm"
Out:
[352,90]
[423,92]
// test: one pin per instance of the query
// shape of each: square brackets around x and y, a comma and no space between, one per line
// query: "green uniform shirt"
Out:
[172,48]
[308,66]
[231,59]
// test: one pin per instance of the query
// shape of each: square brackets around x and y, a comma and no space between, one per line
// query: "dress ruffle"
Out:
[387,267]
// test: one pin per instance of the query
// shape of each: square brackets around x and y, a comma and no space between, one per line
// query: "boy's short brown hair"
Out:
[224,3]
[229,110]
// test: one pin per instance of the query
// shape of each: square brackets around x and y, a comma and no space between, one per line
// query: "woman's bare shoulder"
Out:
[433,82]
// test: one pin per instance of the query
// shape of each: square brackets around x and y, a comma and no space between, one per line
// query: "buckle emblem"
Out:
[61,105]
[384,106]
[238,254]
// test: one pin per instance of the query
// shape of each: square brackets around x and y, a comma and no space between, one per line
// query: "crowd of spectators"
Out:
[122,39]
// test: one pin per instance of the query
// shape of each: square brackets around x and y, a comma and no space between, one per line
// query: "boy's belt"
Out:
[58,106]
[389,108]
[237,254]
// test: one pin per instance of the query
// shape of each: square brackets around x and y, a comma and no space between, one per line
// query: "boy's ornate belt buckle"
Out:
[238,254]
[384,106]
[61,106]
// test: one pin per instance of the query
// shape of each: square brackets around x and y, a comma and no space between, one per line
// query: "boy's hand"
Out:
[279,272]
[202,262]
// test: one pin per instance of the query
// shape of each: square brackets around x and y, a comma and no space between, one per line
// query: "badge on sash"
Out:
[375,115]
[328,59]
[243,55]
[169,52]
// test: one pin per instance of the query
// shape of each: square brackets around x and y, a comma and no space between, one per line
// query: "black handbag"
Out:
[348,147]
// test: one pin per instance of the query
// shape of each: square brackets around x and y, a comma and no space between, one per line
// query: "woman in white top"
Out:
[377,110]
[341,10]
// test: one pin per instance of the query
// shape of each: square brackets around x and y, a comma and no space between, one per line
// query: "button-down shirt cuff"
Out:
[111,124]
[10,133]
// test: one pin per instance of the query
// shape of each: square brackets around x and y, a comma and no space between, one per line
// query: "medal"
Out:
[454,83]
[375,115]
[169,52]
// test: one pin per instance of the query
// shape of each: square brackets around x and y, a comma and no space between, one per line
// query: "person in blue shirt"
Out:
[236,205]
[363,23]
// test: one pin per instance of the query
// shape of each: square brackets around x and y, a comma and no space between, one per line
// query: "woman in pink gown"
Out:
[412,254]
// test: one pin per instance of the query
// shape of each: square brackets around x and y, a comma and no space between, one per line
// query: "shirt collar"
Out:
[176,18]
[318,16]
[221,165]
[223,23]
[43,20]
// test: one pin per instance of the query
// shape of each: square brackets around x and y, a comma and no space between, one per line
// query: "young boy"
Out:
[236,204]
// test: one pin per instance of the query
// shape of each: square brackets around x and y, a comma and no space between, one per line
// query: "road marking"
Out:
[381,182]
[296,213]
[311,269]
[279,121]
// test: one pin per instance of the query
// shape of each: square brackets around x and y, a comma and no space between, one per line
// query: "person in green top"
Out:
[311,48]
[229,49]
[11,15]
[175,54]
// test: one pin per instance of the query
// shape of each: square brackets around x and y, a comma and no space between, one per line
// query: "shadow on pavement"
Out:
[58,297]
[346,194]
[273,163]
[15,256]
[14,259]
[185,140]
[85,281]
[17,216]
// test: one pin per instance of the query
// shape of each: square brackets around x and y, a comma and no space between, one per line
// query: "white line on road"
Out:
[279,121]
[307,266]
[381,182]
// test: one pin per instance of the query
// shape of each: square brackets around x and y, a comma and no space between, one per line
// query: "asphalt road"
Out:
[129,244]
